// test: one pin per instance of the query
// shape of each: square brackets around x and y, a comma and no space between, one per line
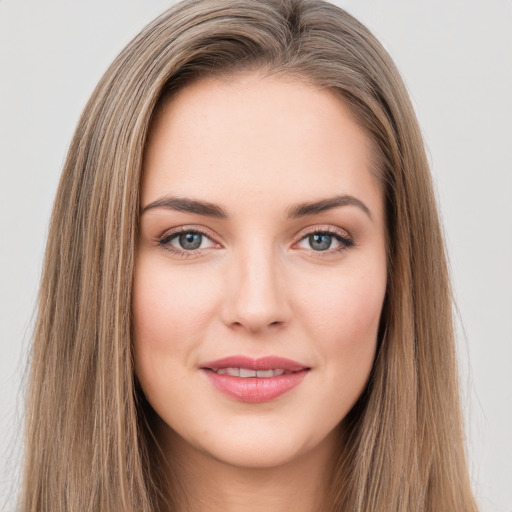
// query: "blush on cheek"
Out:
[351,319]
[349,306]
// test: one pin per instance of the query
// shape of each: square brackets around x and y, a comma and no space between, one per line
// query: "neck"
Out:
[206,484]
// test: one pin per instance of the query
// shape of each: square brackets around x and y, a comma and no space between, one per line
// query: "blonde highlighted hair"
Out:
[89,445]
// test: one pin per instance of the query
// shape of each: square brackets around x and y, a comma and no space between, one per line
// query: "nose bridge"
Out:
[256,295]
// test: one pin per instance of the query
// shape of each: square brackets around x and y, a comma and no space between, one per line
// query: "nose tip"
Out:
[256,298]
[254,322]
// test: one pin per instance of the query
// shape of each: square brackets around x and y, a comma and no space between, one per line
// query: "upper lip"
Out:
[261,363]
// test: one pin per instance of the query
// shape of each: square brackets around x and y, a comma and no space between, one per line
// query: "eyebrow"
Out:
[186,205]
[298,210]
[303,209]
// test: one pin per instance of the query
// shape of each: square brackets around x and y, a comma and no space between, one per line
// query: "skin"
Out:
[255,145]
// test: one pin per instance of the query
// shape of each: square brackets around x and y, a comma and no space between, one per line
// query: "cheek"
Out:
[347,305]
[343,318]
[168,305]
[170,310]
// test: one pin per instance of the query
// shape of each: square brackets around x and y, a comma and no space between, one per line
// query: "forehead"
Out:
[255,134]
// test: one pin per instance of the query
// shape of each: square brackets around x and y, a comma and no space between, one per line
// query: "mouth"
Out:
[246,373]
[254,380]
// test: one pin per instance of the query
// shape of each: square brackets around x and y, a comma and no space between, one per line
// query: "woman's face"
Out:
[261,269]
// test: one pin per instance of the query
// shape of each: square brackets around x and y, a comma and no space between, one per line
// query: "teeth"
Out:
[246,373]
[265,373]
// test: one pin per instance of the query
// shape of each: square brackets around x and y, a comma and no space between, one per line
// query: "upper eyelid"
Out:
[324,229]
[186,229]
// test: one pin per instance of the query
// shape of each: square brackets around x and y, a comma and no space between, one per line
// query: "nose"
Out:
[256,292]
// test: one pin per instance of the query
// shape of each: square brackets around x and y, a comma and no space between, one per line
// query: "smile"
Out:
[254,380]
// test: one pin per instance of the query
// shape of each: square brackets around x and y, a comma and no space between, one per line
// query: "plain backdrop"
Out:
[456,59]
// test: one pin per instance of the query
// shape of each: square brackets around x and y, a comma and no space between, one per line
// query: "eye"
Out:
[326,240]
[186,242]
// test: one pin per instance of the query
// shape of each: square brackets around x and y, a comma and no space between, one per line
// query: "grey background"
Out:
[456,58]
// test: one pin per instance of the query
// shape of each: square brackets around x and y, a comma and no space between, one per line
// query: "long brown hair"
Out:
[88,443]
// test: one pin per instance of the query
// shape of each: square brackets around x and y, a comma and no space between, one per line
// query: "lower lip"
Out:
[255,389]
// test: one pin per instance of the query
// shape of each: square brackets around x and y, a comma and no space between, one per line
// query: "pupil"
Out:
[190,240]
[320,242]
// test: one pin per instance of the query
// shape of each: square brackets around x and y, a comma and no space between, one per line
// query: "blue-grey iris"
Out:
[190,241]
[320,242]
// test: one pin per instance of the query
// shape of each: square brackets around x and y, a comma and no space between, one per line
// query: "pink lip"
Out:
[262,363]
[255,389]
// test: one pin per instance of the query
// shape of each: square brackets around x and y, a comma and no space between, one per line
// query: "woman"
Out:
[245,301]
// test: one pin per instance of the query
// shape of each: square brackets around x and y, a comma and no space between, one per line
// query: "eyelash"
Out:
[345,241]
[342,237]
[165,240]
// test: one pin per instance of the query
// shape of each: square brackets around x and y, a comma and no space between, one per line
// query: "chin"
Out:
[254,455]
[260,445]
